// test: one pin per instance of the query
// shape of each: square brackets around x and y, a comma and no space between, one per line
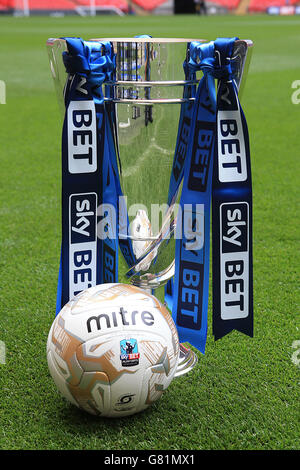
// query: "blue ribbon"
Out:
[181,147]
[231,207]
[191,278]
[88,180]
[188,293]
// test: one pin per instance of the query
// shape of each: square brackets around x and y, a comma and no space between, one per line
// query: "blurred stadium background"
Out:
[147,7]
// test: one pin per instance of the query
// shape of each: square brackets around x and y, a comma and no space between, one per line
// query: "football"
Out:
[113,350]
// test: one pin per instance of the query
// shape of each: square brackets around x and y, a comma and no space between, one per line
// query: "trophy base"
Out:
[187,357]
[187,361]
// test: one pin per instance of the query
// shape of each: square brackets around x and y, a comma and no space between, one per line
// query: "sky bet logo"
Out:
[83,242]
[231,147]
[181,147]
[201,156]
[234,230]
[82,137]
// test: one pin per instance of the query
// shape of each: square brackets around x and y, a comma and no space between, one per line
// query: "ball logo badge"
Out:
[129,352]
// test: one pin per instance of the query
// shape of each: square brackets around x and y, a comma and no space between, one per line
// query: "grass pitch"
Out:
[244,393]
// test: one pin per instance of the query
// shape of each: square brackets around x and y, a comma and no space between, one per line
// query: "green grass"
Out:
[244,393]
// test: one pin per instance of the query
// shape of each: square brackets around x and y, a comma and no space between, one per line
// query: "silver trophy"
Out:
[148,90]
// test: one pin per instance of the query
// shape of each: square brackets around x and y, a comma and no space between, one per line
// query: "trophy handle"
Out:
[241,57]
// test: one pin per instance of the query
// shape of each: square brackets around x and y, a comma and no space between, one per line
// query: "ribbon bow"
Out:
[91,59]
[214,60]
